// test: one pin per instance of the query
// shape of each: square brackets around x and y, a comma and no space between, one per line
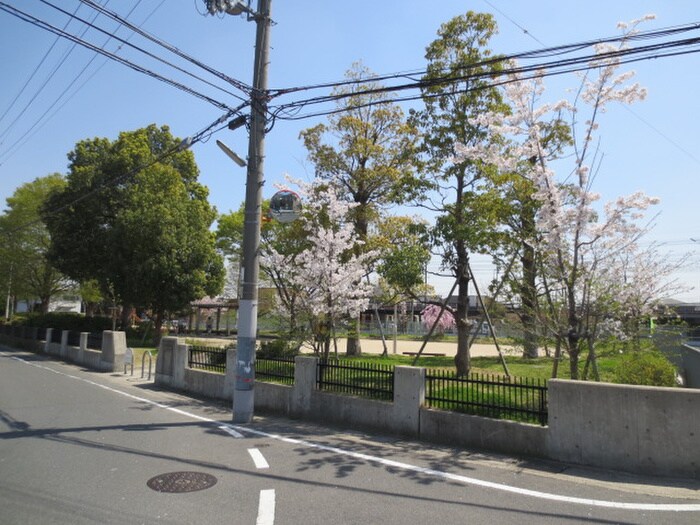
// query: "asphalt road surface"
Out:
[82,447]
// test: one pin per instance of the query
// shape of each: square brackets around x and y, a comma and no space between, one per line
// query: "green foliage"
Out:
[368,151]
[645,368]
[66,321]
[134,219]
[470,207]
[402,244]
[24,266]
[278,348]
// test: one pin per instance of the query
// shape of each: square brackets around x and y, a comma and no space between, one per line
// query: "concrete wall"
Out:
[632,428]
[637,429]
[109,359]
[208,384]
[499,435]
[690,364]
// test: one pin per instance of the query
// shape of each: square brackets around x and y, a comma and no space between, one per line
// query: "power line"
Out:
[38,123]
[56,68]
[201,136]
[114,16]
[635,114]
[36,70]
[137,48]
[41,122]
[524,55]
[292,110]
[525,31]
[585,62]
[52,29]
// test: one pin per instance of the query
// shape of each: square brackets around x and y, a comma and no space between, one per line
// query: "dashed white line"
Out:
[662,507]
[266,508]
[258,459]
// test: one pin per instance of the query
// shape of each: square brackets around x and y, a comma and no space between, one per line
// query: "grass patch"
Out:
[537,368]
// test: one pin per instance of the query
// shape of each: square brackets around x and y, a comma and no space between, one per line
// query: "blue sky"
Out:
[652,146]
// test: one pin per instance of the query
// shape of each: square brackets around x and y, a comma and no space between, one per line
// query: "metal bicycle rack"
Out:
[143,364]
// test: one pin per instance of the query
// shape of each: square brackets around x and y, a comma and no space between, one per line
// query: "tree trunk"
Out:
[462,358]
[157,325]
[44,306]
[557,357]
[528,298]
[125,317]
[572,343]
[354,347]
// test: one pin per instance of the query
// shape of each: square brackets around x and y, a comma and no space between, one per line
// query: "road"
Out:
[81,447]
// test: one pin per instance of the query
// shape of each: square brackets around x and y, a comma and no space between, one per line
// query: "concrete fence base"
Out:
[631,428]
[109,359]
[636,429]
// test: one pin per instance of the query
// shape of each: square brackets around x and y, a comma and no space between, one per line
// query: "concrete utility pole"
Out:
[243,396]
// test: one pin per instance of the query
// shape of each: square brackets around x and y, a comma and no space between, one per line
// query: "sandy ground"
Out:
[374,346]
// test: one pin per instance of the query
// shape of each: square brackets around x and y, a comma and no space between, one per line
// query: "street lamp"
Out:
[231,154]
[243,396]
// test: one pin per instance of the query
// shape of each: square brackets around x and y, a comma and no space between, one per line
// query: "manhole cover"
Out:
[177,482]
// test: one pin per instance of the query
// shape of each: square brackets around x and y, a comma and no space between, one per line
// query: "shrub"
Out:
[649,368]
[67,321]
[278,348]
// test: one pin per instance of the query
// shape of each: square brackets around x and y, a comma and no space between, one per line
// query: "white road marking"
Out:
[266,508]
[662,507]
[232,432]
[258,458]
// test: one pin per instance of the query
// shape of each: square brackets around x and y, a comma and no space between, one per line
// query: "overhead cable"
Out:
[39,123]
[36,70]
[558,67]
[52,29]
[141,50]
[532,54]
[114,16]
[200,136]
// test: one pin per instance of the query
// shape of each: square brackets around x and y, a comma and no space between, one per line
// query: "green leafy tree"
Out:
[25,243]
[368,151]
[91,295]
[404,254]
[134,218]
[469,206]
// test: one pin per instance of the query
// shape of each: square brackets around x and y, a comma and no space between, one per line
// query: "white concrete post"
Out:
[409,396]
[49,333]
[304,385]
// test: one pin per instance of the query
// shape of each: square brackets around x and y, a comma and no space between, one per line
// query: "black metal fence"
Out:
[73,338]
[56,335]
[212,359]
[360,379]
[94,341]
[480,394]
[275,369]
[517,399]
[9,329]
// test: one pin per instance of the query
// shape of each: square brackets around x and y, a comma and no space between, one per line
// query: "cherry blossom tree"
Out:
[368,151]
[328,275]
[591,267]
[445,318]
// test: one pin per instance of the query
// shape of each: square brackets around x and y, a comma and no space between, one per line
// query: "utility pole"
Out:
[243,395]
